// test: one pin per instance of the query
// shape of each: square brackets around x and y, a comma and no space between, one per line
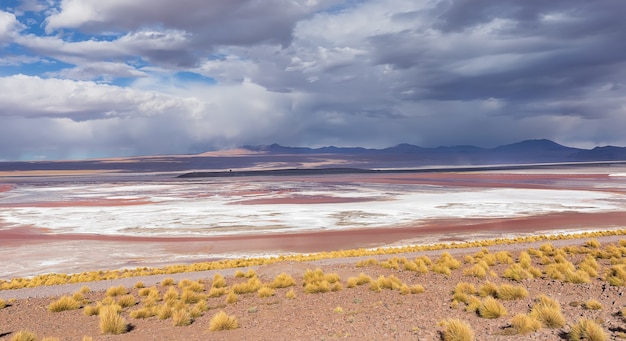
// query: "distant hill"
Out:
[529,151]
[275,156]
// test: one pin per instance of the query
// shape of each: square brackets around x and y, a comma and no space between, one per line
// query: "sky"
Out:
[92,78]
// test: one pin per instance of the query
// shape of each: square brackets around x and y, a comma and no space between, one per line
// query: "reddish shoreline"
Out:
[339,239]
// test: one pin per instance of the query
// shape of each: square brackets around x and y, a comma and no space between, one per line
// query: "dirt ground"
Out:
[347,313]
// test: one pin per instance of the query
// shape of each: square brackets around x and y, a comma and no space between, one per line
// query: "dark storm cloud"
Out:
[306,72]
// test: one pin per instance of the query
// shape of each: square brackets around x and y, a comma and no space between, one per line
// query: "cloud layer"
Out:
[88,78]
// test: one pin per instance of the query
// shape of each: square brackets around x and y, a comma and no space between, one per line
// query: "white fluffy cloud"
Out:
[119,75]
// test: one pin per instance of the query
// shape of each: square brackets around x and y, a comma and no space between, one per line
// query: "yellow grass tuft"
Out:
[190,296]
[171,294]
[517,273]
[524,324]
[283,280]
[139,285]
[64,303]
[252,285]
[111,322]
[163,312]
[510,292]
[181,317]
[616,275]
[223,321]
[456,330]
[587,330]
[232,297]
[24,335]
[218,281]
[142,313]
[84,289]
[488,289]
[266,292]
[126,301]
[116,291]
[291,294]
[490,308]
[3,303]
[338,310]
[593,305]
[239,274]
[166,282]
[548,311]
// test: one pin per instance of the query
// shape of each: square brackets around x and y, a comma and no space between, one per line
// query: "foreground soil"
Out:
[349,313]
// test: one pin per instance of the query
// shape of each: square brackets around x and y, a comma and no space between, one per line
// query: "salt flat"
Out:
[59,212]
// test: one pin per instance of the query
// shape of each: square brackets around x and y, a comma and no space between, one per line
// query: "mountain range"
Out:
[528,151]
[275,156]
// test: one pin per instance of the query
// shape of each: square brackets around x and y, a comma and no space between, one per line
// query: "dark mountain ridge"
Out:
[528,151]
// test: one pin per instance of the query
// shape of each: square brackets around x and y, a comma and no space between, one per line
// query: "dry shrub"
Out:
[517,273]
[64,303]
[510,292]
[239,274]
[201,306]
[126,301]
[181,317]
[24,335]
[593,305]
[266,292]
[587,330]
[232,297]
[616,275]
[171,294]
[166,282]
[490,308]
[417,289]
[488,289]
[548,311]
[139,285]
[218,281]
[163,312]
[223,321]
[478,270]
[3,303]
[456,330]
[111,322]
[84,289]
[504,257]
[190,296]
[251,285]
[523,324]
[116,291]
[217,292]
[465,288]
[142,313]
[367,262]
[290,294]
[283,280]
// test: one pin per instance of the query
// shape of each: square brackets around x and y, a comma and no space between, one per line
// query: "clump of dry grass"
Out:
[291,294]
[360,280]
[251,285]
[523,324]
[223,321]
[456,330]
[116,291]
[283,280]
[3,303]
[316,281]
[511,292]
[517,272]
[166,282]
[219,281]
[126,301]
[142,313]
[586,330]
[266,292]
[64,303]
[24,335]
[548,311]
[111,322]
[488,289]
[616,275]
[181,317]
[490,308]
[231,297]
[593,305]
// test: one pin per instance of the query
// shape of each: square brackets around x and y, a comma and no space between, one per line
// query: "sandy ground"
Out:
[350,313]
